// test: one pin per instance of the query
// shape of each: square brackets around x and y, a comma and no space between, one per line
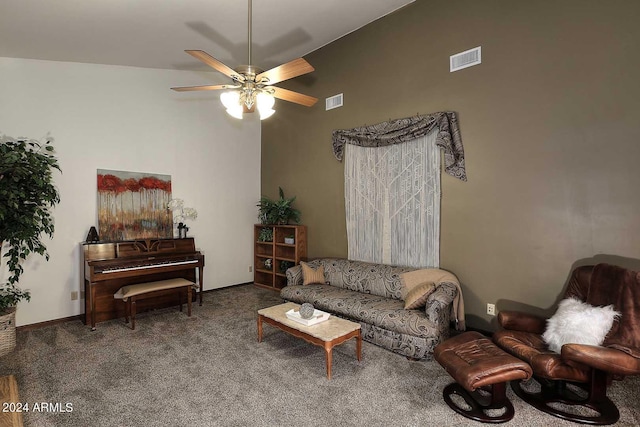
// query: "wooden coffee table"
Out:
[327,334]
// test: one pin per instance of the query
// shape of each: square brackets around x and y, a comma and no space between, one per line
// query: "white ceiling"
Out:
[155,33]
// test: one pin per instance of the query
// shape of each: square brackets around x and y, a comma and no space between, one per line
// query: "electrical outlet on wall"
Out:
[74,295]
[491,309]
[250,268]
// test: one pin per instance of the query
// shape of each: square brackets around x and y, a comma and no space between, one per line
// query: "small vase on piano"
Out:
[182,230]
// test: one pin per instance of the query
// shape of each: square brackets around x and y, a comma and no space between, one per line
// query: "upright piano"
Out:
[110,265]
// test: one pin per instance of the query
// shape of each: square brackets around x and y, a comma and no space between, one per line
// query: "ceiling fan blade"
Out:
[287,71]
[210,87]
[291,96]
[214,63]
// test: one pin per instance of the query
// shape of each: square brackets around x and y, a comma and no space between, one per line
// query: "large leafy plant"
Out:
[278,211]
[26,195]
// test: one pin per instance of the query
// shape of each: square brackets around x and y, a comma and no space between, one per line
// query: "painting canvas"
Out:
[133,205]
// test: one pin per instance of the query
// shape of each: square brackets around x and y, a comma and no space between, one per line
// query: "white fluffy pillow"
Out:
[578,323]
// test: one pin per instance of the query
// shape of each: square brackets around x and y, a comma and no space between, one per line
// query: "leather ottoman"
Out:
[481,371]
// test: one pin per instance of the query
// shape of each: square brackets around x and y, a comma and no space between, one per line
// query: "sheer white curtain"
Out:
[392,197]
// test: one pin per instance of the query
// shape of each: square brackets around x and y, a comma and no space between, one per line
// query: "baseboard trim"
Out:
[39,325]
[46,323]
[230,286]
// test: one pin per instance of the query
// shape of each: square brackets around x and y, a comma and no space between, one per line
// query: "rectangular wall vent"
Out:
[334,101]
[465,59]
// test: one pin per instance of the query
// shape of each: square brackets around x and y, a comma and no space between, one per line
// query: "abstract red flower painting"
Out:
[133,205]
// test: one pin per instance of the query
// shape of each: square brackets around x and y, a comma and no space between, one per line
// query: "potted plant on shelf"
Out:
[278,211]
[265,234]
[27,194]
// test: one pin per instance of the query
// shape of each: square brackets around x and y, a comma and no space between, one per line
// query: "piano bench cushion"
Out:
[143,288]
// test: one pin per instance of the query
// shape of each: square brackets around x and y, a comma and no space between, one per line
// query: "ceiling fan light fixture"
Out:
[230,99]
[252,87]
[265,114]
[265,103]
[235,112]
[248,97]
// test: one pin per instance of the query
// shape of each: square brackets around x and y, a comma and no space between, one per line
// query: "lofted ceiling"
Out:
[155,33]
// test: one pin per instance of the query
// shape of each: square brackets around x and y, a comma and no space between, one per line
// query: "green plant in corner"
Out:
[26,195]
[278,211]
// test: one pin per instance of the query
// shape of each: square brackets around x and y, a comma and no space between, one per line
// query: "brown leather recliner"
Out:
[581,373]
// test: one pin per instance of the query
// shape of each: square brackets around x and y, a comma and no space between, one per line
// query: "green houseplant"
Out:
[278,211]
[26,195]
[265,235]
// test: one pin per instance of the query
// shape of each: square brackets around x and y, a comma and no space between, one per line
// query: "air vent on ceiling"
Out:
[465,59]
[334,101]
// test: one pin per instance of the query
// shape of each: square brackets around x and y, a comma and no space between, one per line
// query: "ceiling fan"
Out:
[252,87]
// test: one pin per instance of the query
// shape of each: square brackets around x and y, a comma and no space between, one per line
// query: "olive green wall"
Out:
[550,123]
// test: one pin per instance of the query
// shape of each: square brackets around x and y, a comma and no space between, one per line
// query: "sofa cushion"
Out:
[417,297]
[312,274]
[383,312]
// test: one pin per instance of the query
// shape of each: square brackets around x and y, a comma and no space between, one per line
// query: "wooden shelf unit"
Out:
[278,252]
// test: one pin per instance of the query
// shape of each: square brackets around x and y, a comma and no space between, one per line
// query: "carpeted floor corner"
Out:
[209,370]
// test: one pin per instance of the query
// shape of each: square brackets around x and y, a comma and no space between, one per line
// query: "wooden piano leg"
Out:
[188,300]
[200,271]
[133,313]
[93,306]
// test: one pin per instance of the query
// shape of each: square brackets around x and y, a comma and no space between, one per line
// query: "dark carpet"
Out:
[209,370]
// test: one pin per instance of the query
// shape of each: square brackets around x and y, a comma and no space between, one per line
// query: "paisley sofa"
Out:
[371,295]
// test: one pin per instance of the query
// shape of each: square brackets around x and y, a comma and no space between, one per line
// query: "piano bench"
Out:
[131,293]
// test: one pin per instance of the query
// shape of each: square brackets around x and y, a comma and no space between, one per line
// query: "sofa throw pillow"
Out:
[413,279]
[310,275]
[579,323]
[417,297]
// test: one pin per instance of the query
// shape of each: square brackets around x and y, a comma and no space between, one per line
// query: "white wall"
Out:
[125,118]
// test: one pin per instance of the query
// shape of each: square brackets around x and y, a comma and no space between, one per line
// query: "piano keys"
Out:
[145,266]
[110,265]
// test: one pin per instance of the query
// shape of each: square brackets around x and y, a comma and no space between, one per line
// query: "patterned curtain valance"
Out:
[409,129]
